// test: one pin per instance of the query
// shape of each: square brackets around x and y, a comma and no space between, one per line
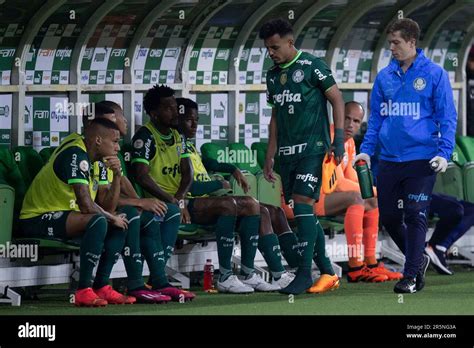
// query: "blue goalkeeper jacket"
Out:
[412,114]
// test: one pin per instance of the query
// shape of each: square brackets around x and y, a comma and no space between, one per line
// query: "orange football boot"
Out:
[380,269]
[114,297]
[365,274]
[325,283]
[88,298]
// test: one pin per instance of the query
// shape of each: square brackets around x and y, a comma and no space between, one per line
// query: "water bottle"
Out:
[365,179]
[208,276]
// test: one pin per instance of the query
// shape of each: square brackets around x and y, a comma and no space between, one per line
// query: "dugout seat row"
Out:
[260,188]
[251,167]
[18,168]
[265,192]
[458,180]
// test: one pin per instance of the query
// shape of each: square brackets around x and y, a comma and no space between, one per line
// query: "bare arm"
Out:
[101,210]
[143,178]
[84,200]
[272,139]
[108,196]
[186,178]
[272,148]
[334,96]
[87,206]
[128,196]
[116,220]
[126,188]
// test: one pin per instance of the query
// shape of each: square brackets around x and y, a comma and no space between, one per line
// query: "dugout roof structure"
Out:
[73,51]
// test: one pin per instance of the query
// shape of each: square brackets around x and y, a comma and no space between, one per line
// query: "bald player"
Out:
[361,220]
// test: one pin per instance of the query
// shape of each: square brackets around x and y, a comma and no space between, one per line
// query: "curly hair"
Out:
[151,100]
[278,26]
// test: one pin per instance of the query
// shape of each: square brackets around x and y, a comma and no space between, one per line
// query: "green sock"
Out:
[169,229]
[307,233]
[288,244]
[225,244]
[131,255]
[113,245]
[152,249]
[92,242]
[249,226]
[320,258]
[270,249]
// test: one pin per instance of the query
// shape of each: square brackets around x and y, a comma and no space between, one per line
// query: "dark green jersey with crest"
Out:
[296,90]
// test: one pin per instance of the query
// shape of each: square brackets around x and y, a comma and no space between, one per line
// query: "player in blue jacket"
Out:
[414,119]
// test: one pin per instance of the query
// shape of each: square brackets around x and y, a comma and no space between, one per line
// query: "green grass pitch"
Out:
[443,295]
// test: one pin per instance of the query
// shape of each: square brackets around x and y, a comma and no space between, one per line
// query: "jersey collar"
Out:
[286,65]
[420,58]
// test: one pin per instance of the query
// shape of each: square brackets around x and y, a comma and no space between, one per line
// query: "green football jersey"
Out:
[296,90]
[52,189]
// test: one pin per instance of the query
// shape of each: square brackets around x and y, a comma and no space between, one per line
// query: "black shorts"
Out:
[48,225]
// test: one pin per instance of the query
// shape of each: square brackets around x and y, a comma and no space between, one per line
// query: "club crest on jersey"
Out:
[283,78]
[419,84]
[84,165]
[298,76]
[138,144]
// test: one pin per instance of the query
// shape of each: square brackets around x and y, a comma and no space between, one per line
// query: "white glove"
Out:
[439,164]
[362,156]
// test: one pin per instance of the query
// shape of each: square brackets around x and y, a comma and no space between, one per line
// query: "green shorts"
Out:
[302,177]
[48,225]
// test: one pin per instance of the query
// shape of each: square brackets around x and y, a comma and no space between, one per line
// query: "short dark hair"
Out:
[278,26]
[110,104]
[187,103]
[151,100]
[102,122]
[409,29]
[100,109]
